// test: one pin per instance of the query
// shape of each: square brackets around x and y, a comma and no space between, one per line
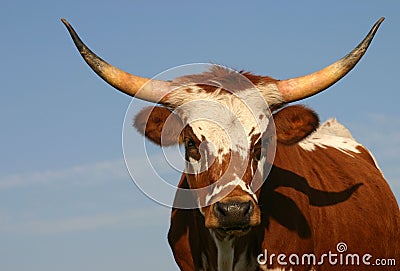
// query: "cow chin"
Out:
[232,216]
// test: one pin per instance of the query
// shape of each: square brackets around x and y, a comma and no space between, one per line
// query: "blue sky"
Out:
[66,199]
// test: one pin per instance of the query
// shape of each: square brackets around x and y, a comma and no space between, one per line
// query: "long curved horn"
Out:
[305,86]
[150,90]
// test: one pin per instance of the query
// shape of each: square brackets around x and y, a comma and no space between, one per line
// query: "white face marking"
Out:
[227,124]
[195,166]
[261,167]
[226,121]
[236,182]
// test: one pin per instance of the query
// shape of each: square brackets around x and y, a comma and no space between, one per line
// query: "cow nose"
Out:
[233,213]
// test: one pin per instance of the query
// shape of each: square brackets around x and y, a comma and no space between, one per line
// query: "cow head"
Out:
[227,158]
[223,118]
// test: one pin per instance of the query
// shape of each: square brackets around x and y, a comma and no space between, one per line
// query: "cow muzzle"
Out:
[234,217]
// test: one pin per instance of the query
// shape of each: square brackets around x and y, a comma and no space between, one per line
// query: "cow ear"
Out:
[294,123]
[159,125]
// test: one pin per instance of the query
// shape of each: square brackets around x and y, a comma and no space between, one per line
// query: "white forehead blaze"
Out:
[227,121]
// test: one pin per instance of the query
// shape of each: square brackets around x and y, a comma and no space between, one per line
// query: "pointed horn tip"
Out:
[75,37]
[376,26]
[65,22]
[378,23]
[368,38]
[71,30]
[69,27]
[350,60]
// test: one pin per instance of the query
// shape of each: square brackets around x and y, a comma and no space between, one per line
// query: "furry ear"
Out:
[159,125]
[294,123]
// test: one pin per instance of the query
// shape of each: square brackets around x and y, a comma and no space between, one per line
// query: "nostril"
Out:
[247,208]
[221,209]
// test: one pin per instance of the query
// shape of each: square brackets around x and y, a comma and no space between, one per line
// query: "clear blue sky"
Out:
[66,199]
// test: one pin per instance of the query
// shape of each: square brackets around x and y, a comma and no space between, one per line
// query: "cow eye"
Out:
[190,144]
[191,149]
[257,153]
[259,150]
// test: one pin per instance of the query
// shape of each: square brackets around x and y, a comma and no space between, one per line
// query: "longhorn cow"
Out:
[257,211]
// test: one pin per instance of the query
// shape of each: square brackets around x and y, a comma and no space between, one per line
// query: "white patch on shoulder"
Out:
[335,128]
[331,134]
